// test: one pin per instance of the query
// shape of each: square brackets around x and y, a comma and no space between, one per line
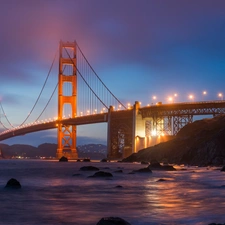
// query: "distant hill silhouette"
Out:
[92,151]
[201,143]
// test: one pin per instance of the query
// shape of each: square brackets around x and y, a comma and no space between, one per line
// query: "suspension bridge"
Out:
[83,98]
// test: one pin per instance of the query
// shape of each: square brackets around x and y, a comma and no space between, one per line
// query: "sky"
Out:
[139,48]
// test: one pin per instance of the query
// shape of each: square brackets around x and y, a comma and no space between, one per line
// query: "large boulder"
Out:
[105,160]
[102,174]
[86,160]
[63,159]
[13,183]
[112,221]
[155,165]
[143,170]
[223,169]
[89,168]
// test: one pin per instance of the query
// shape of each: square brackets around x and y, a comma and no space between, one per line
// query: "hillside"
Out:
[201,143]
[92,151]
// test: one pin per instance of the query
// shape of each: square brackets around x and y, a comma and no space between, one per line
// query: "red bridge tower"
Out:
[67,133]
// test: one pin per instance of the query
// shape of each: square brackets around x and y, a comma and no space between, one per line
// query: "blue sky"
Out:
[139,48]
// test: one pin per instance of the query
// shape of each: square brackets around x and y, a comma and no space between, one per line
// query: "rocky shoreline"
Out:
[201,143]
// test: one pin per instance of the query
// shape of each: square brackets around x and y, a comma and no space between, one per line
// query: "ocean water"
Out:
[59,193]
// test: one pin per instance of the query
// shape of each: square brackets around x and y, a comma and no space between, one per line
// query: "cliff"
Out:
[201,143]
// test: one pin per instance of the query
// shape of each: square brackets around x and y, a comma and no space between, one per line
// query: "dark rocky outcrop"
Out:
[13,183]
[89,168]
[200,143]
[143,170]
[118,171]
[76,174]
[118,186]
[161,180]
[86,160]
[102,174]
[104,160]
[217,224]
[155,165]
[63,159]
[223,169]
[112,221]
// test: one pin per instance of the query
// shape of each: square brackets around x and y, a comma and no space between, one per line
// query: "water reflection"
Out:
[186,199]
[50,194]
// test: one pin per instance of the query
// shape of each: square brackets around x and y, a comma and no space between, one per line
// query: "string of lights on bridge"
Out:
[89,112]
[173,98]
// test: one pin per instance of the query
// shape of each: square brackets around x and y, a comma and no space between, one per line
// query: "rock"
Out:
[86,160]
[112,221]
[168,168]
[13,183]
[217,224]
[143,170]
[63,159]
[161,179]
[223,169]
[89,168]
[102,174]
[200,143]
[106,168]
[118,171]
[155,165]
[104,160]
[76,174]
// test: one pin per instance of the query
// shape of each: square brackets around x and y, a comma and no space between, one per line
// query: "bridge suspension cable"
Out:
[100,78]
[86,81]
[47,103]
[5,118]
[93,95]
[41,91]
[3,125]
[49,99]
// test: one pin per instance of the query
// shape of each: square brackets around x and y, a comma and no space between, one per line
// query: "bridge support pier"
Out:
[181,121]
[120,134]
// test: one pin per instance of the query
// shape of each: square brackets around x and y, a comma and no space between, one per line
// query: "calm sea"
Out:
[58,193]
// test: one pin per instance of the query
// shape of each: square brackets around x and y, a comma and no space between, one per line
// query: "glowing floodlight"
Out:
[154,133]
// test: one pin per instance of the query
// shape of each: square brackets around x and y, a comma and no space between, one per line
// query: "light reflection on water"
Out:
[50,194]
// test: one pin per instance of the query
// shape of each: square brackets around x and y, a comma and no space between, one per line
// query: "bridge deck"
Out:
[90,119]
[184,109]
[161,110]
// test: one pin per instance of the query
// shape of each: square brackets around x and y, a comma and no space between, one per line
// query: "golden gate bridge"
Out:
[83,98]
